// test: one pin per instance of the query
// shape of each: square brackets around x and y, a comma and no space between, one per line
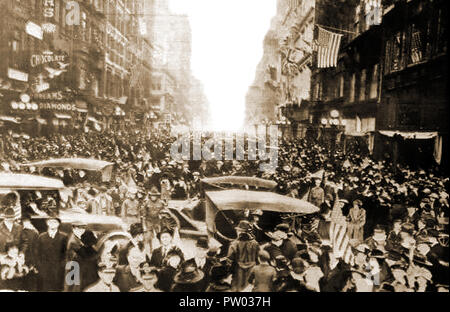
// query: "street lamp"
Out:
[324,121]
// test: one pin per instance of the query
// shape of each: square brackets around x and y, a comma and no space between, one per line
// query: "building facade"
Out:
[76,61]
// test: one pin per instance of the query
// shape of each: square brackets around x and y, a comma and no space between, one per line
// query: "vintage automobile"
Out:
[226,182]
[224,210]
[100,169]
[37,189]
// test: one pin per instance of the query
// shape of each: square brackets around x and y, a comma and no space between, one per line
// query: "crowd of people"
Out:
[396,220]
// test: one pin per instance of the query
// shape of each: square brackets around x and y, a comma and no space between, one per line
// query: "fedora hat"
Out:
[376,253]
[189,274]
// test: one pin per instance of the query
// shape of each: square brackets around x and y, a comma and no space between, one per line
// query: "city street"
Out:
[124,169]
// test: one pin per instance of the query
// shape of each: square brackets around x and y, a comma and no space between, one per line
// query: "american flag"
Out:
[327,48]
[416,47]
[336,233]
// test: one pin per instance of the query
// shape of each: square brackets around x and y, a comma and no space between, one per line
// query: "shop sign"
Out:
[52,96]
[58,106]
[49,8]
[47,57]
[34,30]
[17,75]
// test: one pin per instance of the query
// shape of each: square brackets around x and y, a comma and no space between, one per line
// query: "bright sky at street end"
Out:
[227,44]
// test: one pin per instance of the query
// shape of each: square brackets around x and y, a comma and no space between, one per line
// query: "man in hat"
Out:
[317,194]
[74,244]
[149,278]
[10,231]
[243,255]
[393,241]
[356,222]
[105,283]
[51,250]
[159,254]
[105,202]
[189,279]
[130,208]
[152,211]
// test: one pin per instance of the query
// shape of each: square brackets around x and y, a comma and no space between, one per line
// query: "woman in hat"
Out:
[189,279]
[243,254]
[87,257]
[356,221]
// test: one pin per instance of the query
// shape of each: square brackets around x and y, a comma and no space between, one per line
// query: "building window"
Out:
[341,86]
[352,88]
[374,83]
[362,85]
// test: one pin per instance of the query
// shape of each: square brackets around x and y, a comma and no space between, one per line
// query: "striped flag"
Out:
[416,47]
[294,4]
[337,235]
[327,48]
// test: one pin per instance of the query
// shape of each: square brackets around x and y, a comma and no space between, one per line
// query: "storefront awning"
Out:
[357,134]
[62,116]
[411,135]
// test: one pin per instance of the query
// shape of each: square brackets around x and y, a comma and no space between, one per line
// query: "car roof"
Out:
[265,201]
[72,163]
[17,181]
[239,180]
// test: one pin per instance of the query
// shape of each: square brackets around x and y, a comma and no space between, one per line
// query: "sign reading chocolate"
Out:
[47,57]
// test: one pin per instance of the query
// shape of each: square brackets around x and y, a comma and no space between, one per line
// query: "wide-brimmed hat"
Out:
[284,227]
[219,272]
[377,253]
[421,259]
[189,274]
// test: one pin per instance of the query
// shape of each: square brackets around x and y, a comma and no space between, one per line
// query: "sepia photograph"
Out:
[249,147]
